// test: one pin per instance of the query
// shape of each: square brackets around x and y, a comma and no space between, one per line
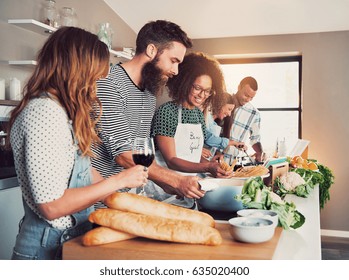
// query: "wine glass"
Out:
[143,153]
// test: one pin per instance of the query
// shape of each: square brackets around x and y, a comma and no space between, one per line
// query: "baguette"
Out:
[158,228]
[144,205]
[104,235]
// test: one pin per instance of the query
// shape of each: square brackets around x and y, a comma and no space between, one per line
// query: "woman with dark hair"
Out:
[178,125]
[51,134]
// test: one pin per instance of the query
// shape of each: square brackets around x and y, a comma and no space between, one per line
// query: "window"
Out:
[278,97]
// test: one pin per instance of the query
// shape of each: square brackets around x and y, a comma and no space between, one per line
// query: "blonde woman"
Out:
[51,134]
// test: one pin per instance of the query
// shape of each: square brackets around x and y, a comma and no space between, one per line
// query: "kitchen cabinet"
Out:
[11,212]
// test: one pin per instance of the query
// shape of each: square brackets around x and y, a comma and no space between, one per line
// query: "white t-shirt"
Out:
[43,149]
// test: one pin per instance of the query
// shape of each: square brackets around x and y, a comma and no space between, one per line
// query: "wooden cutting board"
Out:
[148,249]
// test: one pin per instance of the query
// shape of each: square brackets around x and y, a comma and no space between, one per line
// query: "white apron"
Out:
[189,141]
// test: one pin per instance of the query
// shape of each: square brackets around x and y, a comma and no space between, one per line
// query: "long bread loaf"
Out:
[156,227]
[104,235]
[144,205]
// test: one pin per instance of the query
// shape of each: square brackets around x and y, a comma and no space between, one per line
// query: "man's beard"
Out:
[153,78]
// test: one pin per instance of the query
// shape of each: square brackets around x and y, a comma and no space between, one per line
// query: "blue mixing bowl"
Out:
[222,198]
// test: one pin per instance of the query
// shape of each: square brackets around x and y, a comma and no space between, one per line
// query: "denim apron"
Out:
[37,239]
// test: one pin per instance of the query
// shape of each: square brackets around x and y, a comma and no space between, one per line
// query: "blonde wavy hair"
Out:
[69,64]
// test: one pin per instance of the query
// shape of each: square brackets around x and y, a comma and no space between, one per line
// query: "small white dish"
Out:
[251,230]
[259,213]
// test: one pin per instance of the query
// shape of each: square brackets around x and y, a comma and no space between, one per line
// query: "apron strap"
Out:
[180,114]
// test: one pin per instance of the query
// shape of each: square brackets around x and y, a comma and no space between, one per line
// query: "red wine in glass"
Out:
[143,159]
[143,153]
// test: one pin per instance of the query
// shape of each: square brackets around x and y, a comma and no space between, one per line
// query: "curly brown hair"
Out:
[69,64]
[194,65]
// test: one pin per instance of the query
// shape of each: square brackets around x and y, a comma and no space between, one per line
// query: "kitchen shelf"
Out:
[123,54]
[44,29]
[9,102]
[33,25]
[22,62]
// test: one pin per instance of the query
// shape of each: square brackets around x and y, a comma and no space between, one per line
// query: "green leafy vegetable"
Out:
[328,180]
[293,183]
[324,177]
[255,194]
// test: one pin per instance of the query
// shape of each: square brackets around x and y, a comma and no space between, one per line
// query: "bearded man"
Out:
[128,97]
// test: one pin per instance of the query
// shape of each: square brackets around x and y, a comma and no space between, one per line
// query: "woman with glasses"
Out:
[179,126]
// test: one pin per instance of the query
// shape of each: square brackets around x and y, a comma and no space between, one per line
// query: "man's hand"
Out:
[189,187]
[206,153]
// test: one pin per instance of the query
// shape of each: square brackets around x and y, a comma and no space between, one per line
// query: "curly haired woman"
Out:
[178,125]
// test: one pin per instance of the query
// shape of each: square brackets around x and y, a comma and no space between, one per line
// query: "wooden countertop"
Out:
[143,249]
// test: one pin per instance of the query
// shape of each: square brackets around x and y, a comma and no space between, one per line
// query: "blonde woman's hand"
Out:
[133,177]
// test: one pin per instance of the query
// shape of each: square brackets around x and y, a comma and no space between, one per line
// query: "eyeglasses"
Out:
[198,89]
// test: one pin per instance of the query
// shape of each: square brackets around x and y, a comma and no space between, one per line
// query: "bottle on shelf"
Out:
[68,17]
[282,147]
[50,13]
[276,152]
[105,34]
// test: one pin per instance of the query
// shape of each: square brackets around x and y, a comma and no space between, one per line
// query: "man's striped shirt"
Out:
[127,112]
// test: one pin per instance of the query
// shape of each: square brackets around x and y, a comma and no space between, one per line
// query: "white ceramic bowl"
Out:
[259,213]
[222,198]
[251,230]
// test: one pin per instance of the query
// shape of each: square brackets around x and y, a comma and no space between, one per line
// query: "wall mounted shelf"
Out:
[124,53]
[22,62]
[33,25]
[9,102]
[44,29]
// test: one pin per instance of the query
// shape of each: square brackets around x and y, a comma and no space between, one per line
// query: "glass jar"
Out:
[105,34]
[50,13]
[68,17]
